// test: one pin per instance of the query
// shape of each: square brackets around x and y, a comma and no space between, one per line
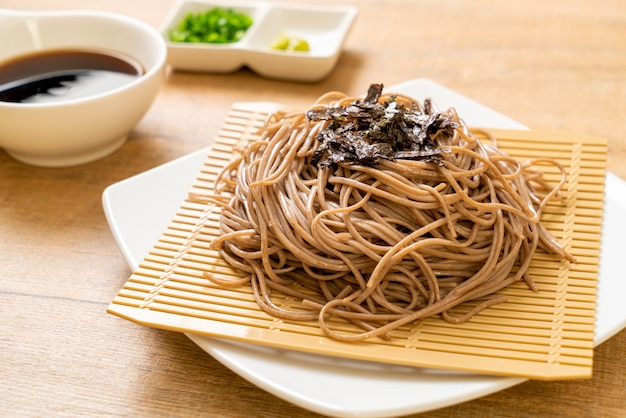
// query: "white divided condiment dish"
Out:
[324,28]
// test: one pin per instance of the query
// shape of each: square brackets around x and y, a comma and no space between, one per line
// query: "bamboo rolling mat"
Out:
[541,335]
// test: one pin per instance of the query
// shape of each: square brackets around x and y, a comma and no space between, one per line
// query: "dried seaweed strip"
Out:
[368,130]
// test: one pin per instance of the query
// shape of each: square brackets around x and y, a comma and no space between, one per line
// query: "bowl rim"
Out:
[154,34]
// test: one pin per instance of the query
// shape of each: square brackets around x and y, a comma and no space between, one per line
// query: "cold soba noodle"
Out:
[380,211]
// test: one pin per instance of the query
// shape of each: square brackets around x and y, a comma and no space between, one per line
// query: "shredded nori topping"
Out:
[366,131]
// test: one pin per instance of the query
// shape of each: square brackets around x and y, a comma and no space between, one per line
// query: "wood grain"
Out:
[549,64]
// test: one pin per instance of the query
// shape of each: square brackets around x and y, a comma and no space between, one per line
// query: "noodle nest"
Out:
[379,245]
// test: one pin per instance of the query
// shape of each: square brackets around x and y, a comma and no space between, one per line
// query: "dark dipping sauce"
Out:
[60,75]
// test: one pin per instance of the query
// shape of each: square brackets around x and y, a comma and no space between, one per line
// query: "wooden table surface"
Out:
[548,64]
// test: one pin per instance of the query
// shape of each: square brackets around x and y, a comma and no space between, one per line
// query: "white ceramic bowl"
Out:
[324,28]
[80,130]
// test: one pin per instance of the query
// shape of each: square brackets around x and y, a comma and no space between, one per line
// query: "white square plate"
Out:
[138,209]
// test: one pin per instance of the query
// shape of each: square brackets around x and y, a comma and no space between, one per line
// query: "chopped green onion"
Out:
[218,26]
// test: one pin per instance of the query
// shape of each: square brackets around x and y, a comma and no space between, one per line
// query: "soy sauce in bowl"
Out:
[60,75]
